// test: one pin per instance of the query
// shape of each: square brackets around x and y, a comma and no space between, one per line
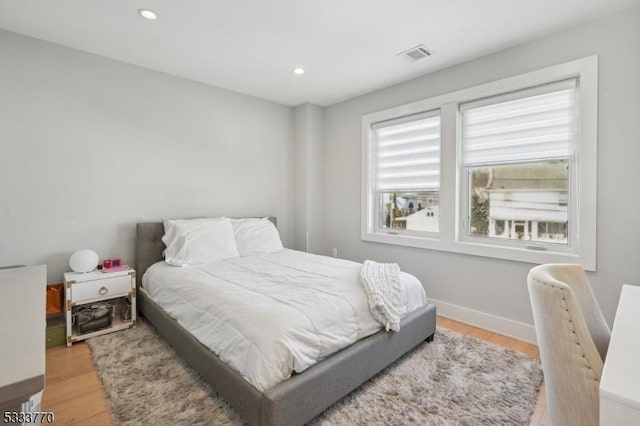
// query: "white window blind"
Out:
[529,125]
[407,154]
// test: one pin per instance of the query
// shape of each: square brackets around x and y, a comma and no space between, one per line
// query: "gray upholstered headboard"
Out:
[149,245]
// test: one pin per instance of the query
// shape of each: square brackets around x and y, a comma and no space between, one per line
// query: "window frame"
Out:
[374,193]
[571,246]
[451,237]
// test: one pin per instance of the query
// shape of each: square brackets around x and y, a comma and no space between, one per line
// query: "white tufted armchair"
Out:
[573,338]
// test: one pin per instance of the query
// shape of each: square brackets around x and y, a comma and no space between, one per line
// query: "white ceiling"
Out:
[347,47]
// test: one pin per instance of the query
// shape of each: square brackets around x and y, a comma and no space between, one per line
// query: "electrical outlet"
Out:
[335,252]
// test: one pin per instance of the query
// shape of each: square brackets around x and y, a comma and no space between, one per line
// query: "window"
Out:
[506,169]
[407,174]
[518,159]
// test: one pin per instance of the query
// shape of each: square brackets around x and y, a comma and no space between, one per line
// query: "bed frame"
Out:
[301,397]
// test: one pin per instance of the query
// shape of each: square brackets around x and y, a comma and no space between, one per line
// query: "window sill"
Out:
[484,250]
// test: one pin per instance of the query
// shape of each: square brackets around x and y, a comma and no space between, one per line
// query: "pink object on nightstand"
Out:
[116,269]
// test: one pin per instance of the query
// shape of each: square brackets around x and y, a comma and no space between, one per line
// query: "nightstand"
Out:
[91,294]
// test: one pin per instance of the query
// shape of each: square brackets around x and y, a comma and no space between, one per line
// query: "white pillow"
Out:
[195,242]
[170,234]
[255,236]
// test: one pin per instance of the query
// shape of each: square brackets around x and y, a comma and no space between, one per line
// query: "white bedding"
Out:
[268,315]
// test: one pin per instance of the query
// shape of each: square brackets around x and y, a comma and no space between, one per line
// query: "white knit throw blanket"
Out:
[381,281]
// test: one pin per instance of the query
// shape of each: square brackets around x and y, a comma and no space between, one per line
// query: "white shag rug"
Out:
[454,380]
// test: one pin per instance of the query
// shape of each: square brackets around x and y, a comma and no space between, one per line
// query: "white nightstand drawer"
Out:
[104,288]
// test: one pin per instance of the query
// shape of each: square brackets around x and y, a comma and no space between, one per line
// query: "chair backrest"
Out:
[573,337]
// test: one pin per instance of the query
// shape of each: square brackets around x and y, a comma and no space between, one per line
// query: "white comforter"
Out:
[269,315]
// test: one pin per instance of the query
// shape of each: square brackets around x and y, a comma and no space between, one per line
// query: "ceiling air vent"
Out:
[416,53]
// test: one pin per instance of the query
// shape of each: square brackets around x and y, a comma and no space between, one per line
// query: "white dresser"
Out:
[620,382]
[22,334]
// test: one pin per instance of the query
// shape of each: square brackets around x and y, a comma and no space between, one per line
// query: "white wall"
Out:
[498,287]
[90,146]
[308,168]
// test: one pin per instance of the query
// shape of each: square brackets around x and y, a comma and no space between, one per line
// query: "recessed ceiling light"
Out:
[298,71]
[148,14]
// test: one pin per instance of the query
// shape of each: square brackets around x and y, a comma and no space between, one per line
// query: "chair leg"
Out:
[430,338]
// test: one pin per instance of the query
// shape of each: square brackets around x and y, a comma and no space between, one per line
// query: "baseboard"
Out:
[517,330]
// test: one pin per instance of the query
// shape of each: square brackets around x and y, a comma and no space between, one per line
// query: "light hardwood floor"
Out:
[74,393]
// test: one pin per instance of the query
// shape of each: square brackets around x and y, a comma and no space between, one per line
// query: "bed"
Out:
[288,402]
